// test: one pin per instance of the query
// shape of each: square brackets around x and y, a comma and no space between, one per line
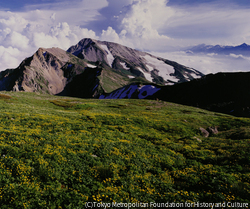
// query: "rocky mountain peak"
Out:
[49,58]
[133,62]
[244,45]
[55,71]
[85,49]
[44,72]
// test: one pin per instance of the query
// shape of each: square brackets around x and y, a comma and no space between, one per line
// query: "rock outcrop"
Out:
[204,132]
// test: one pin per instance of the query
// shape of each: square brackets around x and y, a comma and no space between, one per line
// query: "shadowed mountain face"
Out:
[84,85]
[223,92]
[134,63]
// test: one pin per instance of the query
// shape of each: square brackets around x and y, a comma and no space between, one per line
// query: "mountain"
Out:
[134,63]
[58,72]
[47,71]
[222,92]
[242,49]
[91,68]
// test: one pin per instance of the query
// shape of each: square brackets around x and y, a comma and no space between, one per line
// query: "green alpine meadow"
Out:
[62,152]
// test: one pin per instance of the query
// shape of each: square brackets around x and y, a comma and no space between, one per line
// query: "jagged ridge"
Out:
[55,71]
[134,63]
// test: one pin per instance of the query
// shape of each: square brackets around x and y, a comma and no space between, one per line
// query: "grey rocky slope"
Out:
[40,72]
[52,71]
[133,62]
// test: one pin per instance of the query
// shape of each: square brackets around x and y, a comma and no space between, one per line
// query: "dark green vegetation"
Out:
[222,92]
[59,152]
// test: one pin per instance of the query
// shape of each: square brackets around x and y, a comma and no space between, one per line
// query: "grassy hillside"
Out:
[59,152]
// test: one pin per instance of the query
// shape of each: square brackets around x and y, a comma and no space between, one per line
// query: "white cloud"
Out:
[143,18]
[62,29]
[9,50]
[53,17]
[17,40]
[238,56]
[9,56]
[110,35]
[211,23]
[44,40]
[75,12]
[149,21]
[26,31]
[62,35]
[141,21]
[209,64]
[13,21]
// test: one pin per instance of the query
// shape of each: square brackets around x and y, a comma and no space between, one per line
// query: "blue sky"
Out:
[158,26]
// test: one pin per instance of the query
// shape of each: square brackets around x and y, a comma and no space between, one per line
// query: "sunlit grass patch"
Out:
[62,103]
[3,96]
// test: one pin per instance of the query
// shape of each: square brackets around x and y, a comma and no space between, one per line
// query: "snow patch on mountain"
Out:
[147,75]
[121,93]
[91,66]
[140,92]
[164,69]
[173,78]
[109,55]
[123,64]
[130,76]
[194,75]
[171,84]
[147,90]
[150,68]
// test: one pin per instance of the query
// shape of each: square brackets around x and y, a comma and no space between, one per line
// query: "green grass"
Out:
[59,152]
[111,80]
